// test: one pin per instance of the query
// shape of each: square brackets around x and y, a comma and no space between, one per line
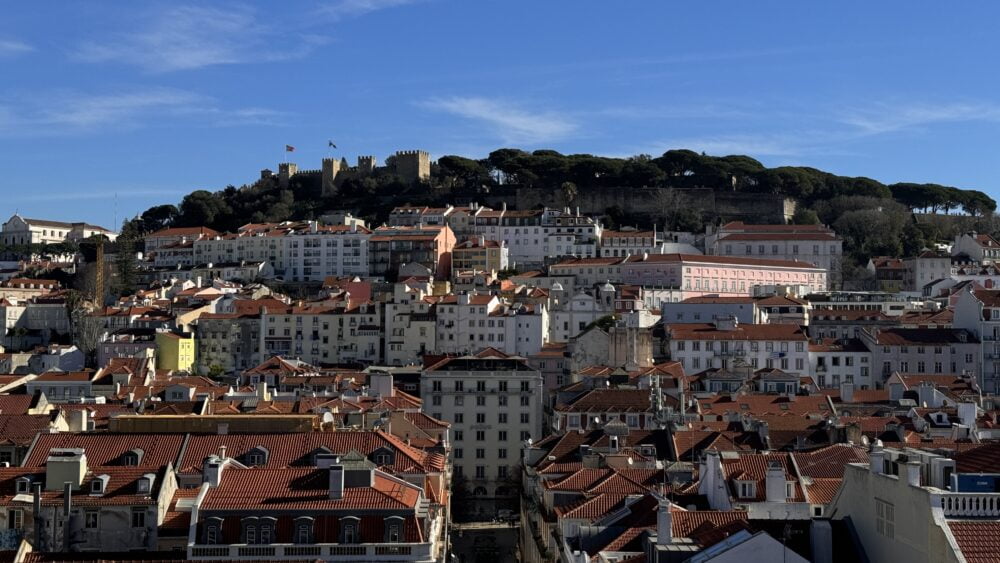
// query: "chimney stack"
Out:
[664,523]
[336,481]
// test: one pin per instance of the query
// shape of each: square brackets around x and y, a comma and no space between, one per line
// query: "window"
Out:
[138,517]
[480,435]
[436,386]
[459,435]
[480,453]
[502,399]
[350,533]
[525,400]
[23,485]
[502,453]
[480,400]
[747,489]
[502,418]
[459,453]
[15,519]
[480,472]
[525,418]
[480,418]
[459,418]
[885,518]
[525,386]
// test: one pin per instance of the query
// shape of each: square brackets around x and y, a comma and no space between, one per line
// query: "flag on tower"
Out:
[331,145]
[289,148]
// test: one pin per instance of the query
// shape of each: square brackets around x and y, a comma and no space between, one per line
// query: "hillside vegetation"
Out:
[874,218]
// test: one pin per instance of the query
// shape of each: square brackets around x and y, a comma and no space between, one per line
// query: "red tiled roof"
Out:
[829,462]
[778,236]
[184,231]
[924,336]
[107,449]
[296,450]
[304,489]
[684,522]
[708,331]
[610,400]
[21,429]
[722,260]
[754,467]
[978,540]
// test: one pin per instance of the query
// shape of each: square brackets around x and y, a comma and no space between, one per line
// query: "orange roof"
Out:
[304,489]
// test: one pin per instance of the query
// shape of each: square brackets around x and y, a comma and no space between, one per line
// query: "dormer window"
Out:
[145,484]
[24,485]
[746,489]
[133,457]
[99,485]
[257,456]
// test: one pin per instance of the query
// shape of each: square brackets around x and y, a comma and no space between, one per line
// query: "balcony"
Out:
[326,552]
[971,504]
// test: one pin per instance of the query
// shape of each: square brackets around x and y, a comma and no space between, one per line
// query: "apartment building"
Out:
[427,246]
[814,244]
[469,322]
[479,255]
[729,343]
[494,404]
[724,276]
[923,350]
[410,324]
[324,333]
[538,237]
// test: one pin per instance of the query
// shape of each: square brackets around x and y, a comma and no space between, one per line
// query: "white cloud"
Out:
[508,121]
[12,47]
[191,37]
[354,8]
[888,118]
[69,112]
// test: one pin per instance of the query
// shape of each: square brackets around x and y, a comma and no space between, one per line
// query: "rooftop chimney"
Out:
[65,465]
[775,482]
[336,481]
[664,523]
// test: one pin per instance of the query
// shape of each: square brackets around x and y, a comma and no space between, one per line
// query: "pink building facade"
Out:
[717,275]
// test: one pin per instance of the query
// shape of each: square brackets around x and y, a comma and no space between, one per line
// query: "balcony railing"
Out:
[971,504]
[327,552]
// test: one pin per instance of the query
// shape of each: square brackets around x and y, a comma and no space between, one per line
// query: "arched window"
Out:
[479,491]
[251,534]
[349,530]
[394,529]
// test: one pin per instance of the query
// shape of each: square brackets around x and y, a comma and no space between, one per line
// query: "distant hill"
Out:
[821,196]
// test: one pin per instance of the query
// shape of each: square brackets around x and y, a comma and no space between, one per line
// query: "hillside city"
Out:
[494,380]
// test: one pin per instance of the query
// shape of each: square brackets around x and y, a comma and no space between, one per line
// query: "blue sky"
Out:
[152,100]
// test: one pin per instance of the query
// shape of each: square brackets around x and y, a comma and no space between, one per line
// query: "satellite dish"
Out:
[327,418]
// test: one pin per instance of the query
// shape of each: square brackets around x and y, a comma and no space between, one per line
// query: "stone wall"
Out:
[653,202]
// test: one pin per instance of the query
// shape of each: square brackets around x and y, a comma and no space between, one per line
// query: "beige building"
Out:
[479,255]
[18,230]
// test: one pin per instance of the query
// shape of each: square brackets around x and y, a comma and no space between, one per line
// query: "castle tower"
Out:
[331,168]
[285,171]
[413,165]
[366,165]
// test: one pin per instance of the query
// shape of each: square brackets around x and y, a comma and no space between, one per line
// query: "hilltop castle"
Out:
[408,165]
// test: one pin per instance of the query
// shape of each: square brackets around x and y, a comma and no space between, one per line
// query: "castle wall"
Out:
[751,207]
[413,165]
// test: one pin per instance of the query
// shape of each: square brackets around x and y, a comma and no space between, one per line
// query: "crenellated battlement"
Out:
[410,165]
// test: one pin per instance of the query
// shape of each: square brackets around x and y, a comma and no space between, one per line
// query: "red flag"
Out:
[289,148]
